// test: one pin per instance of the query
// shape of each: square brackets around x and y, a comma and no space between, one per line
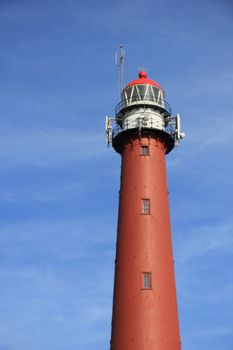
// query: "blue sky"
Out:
[59,182]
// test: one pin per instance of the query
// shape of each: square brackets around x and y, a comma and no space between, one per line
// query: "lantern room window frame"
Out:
[152,93]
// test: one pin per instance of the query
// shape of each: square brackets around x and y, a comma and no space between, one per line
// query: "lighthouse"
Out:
[143,131]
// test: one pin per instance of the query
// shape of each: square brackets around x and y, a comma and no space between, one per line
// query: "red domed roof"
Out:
[142,79]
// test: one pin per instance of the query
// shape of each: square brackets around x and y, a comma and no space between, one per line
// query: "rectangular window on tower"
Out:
[145,206]
[144,150]
[146,280]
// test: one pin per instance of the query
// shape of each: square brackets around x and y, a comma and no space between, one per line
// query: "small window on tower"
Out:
[144,150]
[147,283]
[145,206]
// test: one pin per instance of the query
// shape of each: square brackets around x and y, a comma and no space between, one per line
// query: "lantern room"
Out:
[143,91]
[143,110]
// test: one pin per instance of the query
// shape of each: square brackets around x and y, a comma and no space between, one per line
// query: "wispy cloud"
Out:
[49,148]
[57,280]
[44,193]
[214,332]
[204,239]
[198,253]
[66,239]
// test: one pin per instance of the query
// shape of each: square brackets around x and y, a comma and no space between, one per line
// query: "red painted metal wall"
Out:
[144,319]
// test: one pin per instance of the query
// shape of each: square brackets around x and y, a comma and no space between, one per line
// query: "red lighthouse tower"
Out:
[145,315]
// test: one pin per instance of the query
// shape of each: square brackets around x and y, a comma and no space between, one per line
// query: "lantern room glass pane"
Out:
[155,92]
[135,96]
[142,91]
[128,93]
[150,95]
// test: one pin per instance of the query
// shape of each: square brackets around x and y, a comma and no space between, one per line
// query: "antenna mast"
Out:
[120,63]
